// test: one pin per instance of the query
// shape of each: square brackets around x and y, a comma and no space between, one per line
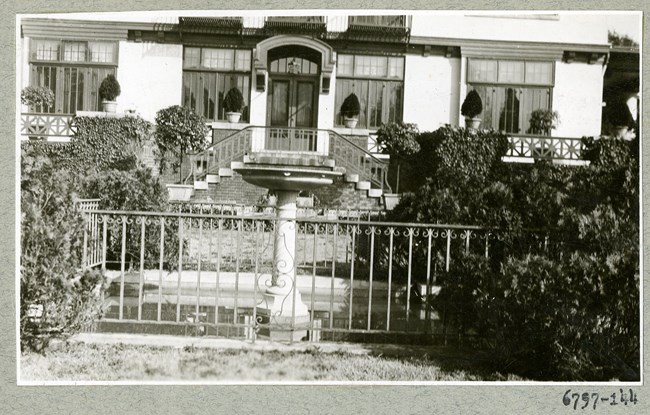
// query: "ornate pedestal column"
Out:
[283,306]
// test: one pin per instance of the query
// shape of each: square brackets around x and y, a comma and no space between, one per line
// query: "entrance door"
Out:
[292,113]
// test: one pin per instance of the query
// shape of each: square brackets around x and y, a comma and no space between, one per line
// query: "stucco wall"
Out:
[569,28]
[150,76]
[577,97]
[431,91]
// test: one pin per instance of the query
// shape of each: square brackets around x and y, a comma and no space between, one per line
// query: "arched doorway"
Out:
[293,88]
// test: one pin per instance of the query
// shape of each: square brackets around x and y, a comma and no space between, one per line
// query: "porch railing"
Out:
[545,148]
[273,140]
[171,271]
[44,126]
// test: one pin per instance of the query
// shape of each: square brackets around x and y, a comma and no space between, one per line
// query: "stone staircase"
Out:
[327,151]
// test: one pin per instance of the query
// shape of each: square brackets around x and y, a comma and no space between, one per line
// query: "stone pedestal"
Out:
[283,307]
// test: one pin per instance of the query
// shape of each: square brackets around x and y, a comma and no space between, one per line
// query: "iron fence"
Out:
[210,273]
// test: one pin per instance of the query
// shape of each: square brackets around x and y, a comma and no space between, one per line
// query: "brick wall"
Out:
[231,189]
[345,195]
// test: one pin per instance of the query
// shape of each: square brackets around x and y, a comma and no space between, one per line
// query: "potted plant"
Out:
[37,98]
[350,110]
[232,104]
[543,121]
[178,130]
[471,108]
[399,141]
[108,91]
[620,118]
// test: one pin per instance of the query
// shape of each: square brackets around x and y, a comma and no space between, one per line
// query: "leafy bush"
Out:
[234,100]
[350,107]
[543,121]
[472,106]
[57,298]
[135,190]
[569,311]
[398,140]
[179,130]
[37,96]
[109,88]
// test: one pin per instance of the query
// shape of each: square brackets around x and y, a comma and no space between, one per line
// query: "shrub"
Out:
[234,100]
[179,130]
[350,107]
[37,96]
[567,312]
[134,190]
[472,106]
[543,121]
[57,298]
[398,140]
[109,88]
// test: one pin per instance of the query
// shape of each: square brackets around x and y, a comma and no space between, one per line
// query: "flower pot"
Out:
[391,200]
[472,123]
[233,116]
[182,192]
[350,122]
[109,106]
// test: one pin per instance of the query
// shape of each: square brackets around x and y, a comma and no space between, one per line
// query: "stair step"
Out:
[363,185]
[225,172]
[352,178]
[200,185]
[375,192]
[212,178]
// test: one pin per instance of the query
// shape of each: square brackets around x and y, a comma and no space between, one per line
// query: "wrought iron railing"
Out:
[545,148]
[273,140]
[209,272]
[44,126]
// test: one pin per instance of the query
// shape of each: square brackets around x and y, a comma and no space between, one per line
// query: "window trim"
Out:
[202,68]
[524,84]
[370,77]
[61,42]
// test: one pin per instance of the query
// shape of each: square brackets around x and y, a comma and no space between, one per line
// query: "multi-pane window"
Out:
[378,82]
[511,91]
[208,75]
[73,70]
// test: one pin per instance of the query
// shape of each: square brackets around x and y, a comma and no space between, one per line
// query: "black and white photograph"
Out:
[330,197]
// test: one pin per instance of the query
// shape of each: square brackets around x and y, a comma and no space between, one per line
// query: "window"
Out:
[209,73]
[378,82]
[73,70]
[511,91]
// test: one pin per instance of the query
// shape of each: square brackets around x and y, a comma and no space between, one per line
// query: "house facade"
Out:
[295,71]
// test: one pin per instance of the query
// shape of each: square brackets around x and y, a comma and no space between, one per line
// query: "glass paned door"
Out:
[292,108]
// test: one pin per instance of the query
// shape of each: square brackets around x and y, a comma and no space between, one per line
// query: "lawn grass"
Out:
[120,362]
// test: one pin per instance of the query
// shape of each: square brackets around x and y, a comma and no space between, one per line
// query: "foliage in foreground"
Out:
[56,297]
[566,312]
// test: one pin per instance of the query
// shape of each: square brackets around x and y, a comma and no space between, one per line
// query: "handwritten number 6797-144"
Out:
[594,398]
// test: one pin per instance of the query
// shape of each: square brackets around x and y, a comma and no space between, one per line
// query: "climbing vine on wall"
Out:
[100,143]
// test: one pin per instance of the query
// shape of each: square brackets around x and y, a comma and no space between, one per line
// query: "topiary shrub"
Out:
[351,107]
[233,101]
[57,298]
[38,98]
[109,88]
[179,130]
[472,106]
